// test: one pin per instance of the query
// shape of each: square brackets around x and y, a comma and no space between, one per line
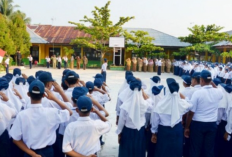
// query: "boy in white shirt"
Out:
[81,138]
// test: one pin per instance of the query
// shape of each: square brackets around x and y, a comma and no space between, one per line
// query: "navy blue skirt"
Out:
[5,149]
[169,141]
[132,143]
[159,70]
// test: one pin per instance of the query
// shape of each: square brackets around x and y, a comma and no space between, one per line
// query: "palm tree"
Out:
[7,8]
[27,20]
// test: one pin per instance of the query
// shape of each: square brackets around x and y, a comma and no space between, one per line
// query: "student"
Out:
[20,86]
[131,130]
[195,81]
[188,91]
[59,60]
[159,64]
[71,79]
[9,77]
[105,86]
[7,64]
[30,58]
[81,138]
[37,73]
[30,79]
[34,129]
[223,144]
[166,122]
[48,61]
[7,113]
[201,124]
[65,58]
[17,73]
[103,70]
[226,78]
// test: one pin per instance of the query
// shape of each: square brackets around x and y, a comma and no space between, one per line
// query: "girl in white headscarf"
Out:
[166,122]
[131,130]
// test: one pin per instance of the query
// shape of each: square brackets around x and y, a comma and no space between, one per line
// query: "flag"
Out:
[2,53]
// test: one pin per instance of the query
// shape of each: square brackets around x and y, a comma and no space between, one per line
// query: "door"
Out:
[54,51]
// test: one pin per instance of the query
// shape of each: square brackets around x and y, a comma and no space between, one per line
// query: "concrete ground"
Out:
[114,81]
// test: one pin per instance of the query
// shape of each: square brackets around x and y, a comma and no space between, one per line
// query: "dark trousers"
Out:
[159,70]
[48,65]
[104,75]
[65,65]
[19,62]
[44,152]
[5,150]
[59,65]
[7,68]
[202,138]
[30,64]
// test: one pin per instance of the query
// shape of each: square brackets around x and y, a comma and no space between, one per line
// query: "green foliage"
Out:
[6,42]
[7,8]
[68,51]
[100,30]
[226,54]
[202,39]
[141,43]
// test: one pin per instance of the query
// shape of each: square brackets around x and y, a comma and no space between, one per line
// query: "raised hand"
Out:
[17,93]
[4,97]
[49,95]
[57,87]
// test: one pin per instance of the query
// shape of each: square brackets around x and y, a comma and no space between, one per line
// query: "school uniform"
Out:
[7,65]
[48,62]
[227,78]
[37,126]
[166,123]
[159,67]
[65,62]
[59,62]
[104,68]
[188,92]
[220,75]
[30,61]
[7,113]
[203,126]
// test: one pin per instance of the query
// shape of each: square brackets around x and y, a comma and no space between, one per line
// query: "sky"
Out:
[169,16]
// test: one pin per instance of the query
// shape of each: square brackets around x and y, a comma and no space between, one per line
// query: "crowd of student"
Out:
[41,118]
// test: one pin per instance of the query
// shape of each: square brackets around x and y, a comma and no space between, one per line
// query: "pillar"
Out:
[224,58]
[40,52]
[213,58]
[168,54]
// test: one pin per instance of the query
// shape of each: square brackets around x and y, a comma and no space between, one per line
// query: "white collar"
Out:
[84,118]
[35,105]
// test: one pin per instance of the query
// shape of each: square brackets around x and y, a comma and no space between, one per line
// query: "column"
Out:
[213,58]
[224,58]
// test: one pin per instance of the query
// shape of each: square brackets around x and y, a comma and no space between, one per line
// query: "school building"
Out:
[48,40]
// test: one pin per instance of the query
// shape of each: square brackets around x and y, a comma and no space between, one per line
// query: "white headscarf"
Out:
[22,89]
[172,105]
[124,95]
[136,107]
[124,85]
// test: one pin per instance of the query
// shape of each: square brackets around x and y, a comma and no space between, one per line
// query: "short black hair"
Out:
[36,97]
[74,100]
[72,81]
[197,79]
[64,86]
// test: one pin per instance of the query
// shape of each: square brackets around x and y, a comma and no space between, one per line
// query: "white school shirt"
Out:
[83,135]
[226,76]
[188,92]
[30,58]
[100,98]
[48,59]
[159,63]
[221,74]
[37,125]
[59,59]
[7,61]
[7,113]
[68,93]
[65,59]
[205,104]
[229,121]
[104,67]
[230,74]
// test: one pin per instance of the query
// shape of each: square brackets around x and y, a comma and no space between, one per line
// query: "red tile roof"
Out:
[57,34]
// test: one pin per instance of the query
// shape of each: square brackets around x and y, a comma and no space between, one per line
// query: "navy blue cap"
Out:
[172,85]
[135,84]
[130,78]
[39,85]
[230,67]
[155,79]
[156,89]
[89,85]
[20,80]
[84,104]
[4,84]
[98,82]
[217,81]
[30,79]
[71,74]
[65,72]
[38,73]
[100,76]
[17,71]
[79,91]
[8,76]
[186,79]
[128,73]
[227,70]
[46,77]
[196,75]
[105,59]
[206,74]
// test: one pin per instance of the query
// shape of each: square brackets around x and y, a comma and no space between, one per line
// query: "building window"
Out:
[35,52]
[77,51]
[54,51]
[92,54]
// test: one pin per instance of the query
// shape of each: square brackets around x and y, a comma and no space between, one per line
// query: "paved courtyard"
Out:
[114,81]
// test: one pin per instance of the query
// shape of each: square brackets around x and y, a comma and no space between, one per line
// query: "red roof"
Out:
[57,34]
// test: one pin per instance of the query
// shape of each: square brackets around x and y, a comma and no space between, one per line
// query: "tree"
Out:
[19,34]
[6,43]
[100,30]
[140,42]
[27,20]
[68,51]
[202,39]
[7,8]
